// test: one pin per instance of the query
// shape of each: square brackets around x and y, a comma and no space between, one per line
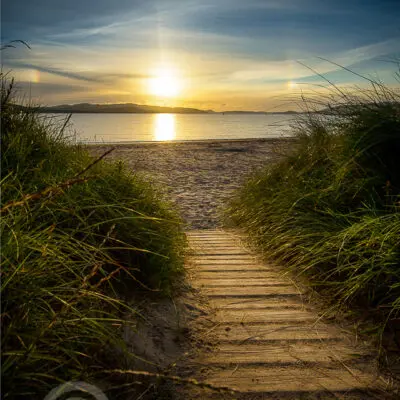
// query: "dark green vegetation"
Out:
[331,209]
[79,239]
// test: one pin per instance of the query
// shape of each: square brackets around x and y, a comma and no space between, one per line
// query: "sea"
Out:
[127,128]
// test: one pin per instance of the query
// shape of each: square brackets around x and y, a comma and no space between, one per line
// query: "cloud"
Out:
[41,16]
[94,76]
[217,46]
[359,59]
[46,93]
[54,71]
[42,92]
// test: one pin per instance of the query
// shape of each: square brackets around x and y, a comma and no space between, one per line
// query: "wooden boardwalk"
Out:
[268,342]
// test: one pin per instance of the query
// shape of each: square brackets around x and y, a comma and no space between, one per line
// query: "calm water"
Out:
[157,127]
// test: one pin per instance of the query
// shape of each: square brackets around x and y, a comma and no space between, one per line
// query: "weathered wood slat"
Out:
[268,340]
[273,332]
[254,303]
[240,282]
[294,379]
[287,353]
[223,266]
[253,291]
[241,263]
[241,274]
[264,316]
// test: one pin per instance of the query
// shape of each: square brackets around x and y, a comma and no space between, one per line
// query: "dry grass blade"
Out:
[176,379]
[48,193]
[97,160]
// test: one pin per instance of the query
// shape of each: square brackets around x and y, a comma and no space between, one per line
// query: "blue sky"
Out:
[222,54]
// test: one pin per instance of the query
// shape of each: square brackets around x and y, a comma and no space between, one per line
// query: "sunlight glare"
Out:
[164,127]
[292,85]
[35,76]
[165,84]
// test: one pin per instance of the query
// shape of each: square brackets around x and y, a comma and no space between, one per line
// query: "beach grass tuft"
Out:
[331,208]
[81,239]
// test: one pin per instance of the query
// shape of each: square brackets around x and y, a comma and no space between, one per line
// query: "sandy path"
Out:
[198,176]
[267,343]
[270,343]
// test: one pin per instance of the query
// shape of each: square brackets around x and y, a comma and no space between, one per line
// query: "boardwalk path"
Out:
[269,344]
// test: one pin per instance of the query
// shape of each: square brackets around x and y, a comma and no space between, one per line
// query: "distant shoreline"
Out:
[194,142]
[87,108]
[46,111]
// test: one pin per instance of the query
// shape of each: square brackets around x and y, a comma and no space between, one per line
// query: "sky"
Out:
[210,54]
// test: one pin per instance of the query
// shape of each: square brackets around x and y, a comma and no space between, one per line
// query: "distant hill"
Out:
[258,112]
[117,108]
[131,108]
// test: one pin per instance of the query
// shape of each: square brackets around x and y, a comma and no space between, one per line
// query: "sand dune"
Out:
[198,176]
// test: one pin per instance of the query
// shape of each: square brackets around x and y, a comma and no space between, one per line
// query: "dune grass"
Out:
[331,208]
[79,238]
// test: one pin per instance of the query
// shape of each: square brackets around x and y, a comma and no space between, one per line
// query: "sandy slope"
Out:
[198,176]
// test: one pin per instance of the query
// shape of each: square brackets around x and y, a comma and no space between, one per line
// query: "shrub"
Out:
[78,237]
[330,209]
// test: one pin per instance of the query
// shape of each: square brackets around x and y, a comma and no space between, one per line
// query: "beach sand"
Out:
[199,177]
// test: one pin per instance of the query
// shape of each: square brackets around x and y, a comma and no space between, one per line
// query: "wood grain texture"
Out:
[268,340]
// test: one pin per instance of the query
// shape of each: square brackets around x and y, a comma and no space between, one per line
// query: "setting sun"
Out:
[165,84]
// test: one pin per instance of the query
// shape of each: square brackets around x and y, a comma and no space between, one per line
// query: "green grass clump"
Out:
[331,208]
[78,238]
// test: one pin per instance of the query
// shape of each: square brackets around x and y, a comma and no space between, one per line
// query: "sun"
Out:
[165,84]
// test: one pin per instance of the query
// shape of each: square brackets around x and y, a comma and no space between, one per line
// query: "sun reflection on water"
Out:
[164,127]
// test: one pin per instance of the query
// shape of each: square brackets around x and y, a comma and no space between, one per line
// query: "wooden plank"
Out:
[213,247]
[214,243]
[224,260]
[228,332]
[206,231]
[225,248]
[288,353]
[293,379]
[267,339]
[227,268]
[240,282]
[221,252]
[214,235]
[281,302]
[241,274]
[264,316]
[254,291]
[240,257]
[231,263]
[216,240]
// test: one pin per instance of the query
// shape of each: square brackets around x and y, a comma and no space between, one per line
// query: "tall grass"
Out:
[78,239]
[331,208]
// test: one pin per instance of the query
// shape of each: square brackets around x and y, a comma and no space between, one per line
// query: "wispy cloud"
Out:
[222,49]
[54,71]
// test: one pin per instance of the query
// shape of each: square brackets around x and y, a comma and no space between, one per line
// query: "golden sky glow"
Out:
[209,54]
